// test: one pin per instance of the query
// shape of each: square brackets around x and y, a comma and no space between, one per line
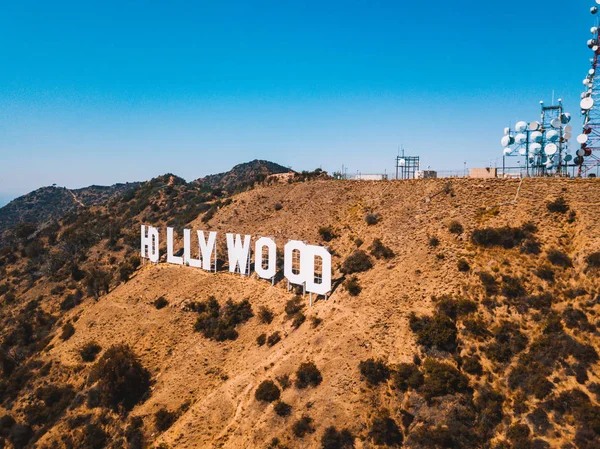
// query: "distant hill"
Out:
[48,203]
[243,175]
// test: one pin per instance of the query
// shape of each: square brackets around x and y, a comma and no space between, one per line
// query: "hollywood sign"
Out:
[306,265]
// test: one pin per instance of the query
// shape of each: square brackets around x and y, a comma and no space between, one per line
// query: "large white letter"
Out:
[150,241]
[308,260]
[269,272]
[288,255]
[187,256]
[238,253]
[206,248]
[170,257]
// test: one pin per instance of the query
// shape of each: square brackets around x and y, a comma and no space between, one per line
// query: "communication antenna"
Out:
[589,140]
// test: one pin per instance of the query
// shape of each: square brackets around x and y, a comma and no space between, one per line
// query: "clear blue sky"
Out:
[104,92]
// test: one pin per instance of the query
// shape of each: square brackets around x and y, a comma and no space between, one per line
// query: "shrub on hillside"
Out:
[327,233]
[357,262]
[352,286]
[455,227]
[455,307]
[374,371]
[293,306]
[385,431]
[219,322]
[303,426]
[67,331]
[380,251]
[89,351]
[273,339]
[438,331]
[559,258]
[336,439]
[164,419]
[506,237]
[471,365]
[434,241]
[407,375]
[278,206]
[463,265]
[267,391]
[593,260]
[489,283]
[121,379]
[442,379]
[265,315]
[282,409]
[545,273]
[71,300]
[261,339]
[308,375]
[372,219]
[559,205]
[512,287]
[161,303]
[508,342]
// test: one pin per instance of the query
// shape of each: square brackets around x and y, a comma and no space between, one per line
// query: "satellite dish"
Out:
[507,141]
[565,118]
[578,160]
[550,149]
[536,136]
[520,139]
[402,162]
[567,136]
[506,131]
[552,136]
[535,148]
[507,151]
[586,82]
[591,72]
[556,123]
[534,126]
[587,103]
[582,138]
[523,151]
[594,9]
[568,158]
[580,152]
[594,30]
[587,151]
[520,127]
[568,128]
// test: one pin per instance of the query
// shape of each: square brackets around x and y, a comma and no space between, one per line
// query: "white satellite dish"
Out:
[556,123]
[534,126]
[586,82]
[591,72]
[594,9]
[565,118]
[594,30]
[595,48]
[587,103]
[507,141]
[568,128]
[523,151]
[506,131]
[567,136]
[568,158]
[582,138]
[402,162]
[535,148]
[580,152]
[536,136]
[521,126]
[507,151]
[550,149]
[520,139]
[552,136]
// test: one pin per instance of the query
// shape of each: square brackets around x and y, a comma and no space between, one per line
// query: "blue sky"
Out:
[105,92]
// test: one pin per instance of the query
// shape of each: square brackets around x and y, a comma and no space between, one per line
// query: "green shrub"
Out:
[489,283]
[593,260]
[438,331]
[327,233]
[434,242]
[352,286]
[380,251]
[506,237]
[559,205]
[385,431]
[442,379]
[374,371]
[356,262]
[472,366]
[407,375]
[267,391]
[298,319]
[164,419]
[282,409]
[67,331]
[512,287]
[303,426]
[89,351]
[273,339]
[284,381]
[293,306]
[277,206]
[122,381]
[219,322]
[161,303]
[261,339]
[463,265]
[508,342]
[265,315]
[559,258]
[545,273]
[455,307]
[455,227]
[334,439]
[308,375]
[372,219]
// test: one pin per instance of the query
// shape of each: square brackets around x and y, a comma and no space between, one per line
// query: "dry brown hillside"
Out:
[507,358]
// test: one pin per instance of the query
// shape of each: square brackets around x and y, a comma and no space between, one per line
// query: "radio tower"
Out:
[589,152]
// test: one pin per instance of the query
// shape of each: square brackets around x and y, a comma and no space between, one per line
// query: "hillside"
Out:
[50,203]
[243,175]
[474,325]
